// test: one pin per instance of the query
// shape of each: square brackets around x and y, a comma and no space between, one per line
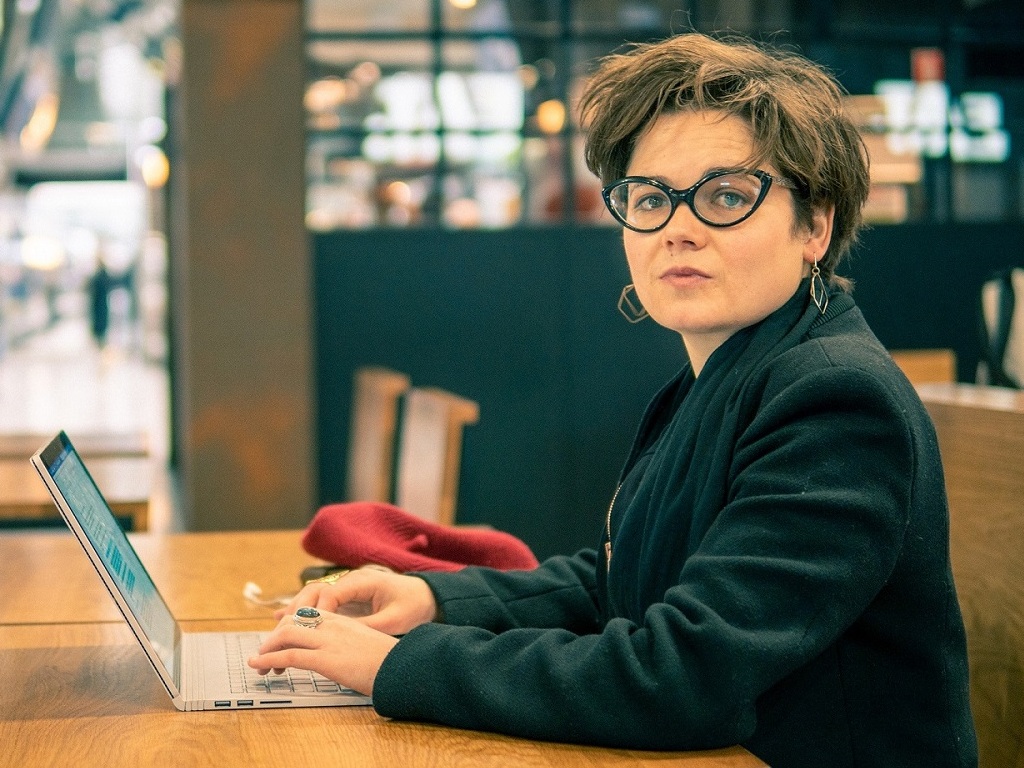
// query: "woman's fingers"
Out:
[286,645]
[385,601]
[339,648]
[316,595]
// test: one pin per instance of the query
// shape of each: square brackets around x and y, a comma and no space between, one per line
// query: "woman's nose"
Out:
[684,227]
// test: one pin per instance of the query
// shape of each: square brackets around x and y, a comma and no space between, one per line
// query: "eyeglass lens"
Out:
[720,200]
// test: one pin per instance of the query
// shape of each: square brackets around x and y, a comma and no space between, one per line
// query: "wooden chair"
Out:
[926,366]
[430,452]
[371,450]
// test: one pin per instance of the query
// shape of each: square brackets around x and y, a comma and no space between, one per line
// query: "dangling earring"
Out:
[819,293]
[631,309]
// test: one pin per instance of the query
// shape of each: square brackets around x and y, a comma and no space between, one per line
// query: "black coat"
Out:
[779,578]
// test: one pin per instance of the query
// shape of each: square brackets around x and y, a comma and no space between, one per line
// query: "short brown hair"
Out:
[793,106]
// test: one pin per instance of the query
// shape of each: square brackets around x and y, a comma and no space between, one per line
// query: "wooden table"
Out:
[84,692]
[90,445]
[45,578]
[981,437]
[125,481]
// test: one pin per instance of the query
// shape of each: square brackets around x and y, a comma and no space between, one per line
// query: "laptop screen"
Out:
[112,547]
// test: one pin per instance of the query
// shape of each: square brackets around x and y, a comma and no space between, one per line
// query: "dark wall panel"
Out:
[524,322]
[919,285]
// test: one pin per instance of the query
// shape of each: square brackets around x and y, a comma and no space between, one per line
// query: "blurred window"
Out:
[459,113]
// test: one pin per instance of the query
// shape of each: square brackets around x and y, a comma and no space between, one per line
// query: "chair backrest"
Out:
[430,452]
[371,449]
[927,366]
[1002,330]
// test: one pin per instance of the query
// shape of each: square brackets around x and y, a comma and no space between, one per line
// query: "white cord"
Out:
[254,594]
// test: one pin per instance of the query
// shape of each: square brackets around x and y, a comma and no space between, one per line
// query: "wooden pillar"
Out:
[242,360]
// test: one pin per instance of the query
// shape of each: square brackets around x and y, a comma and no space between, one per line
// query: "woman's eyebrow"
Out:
[704,174]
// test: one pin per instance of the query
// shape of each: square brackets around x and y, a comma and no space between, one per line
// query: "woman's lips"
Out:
[684,276]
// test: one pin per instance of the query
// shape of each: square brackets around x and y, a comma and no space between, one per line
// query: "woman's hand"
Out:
[340,648]
[381,600]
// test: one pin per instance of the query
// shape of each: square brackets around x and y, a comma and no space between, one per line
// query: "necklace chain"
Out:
[608,531]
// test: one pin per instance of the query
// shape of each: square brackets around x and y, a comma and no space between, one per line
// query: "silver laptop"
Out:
[200,670]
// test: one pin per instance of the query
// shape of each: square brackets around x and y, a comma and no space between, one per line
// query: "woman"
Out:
[774,570]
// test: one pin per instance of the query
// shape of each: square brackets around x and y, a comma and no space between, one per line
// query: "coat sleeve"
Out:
[560,593]
[816,510]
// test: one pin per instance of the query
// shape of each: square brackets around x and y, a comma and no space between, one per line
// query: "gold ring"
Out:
[330,578]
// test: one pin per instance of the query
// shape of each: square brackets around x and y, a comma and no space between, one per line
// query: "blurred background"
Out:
[212,213]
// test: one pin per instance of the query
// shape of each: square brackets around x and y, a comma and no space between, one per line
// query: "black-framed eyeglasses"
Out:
[719,199]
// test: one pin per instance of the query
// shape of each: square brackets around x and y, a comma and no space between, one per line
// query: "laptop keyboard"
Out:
[245,679]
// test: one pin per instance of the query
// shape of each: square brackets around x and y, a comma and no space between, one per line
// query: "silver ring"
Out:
[307,617]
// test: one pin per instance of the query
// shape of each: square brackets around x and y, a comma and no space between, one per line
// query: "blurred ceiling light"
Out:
[377,148]
[37,131]
[153,165]
[320,219]
[329,93]
[325,121]
[463,5]
[365,74]
[529,76]
[551,116]
[398,193]
[101,133]
[151,129]
[462,213]
[81,244]
[43,252]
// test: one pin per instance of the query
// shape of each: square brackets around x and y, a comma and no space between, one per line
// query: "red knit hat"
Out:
[368,533]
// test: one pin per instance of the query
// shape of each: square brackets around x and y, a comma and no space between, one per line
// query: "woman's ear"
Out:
[820,235]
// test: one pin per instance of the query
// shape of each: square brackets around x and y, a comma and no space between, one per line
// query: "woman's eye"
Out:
[731,193]
[730,198]
[650,202]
